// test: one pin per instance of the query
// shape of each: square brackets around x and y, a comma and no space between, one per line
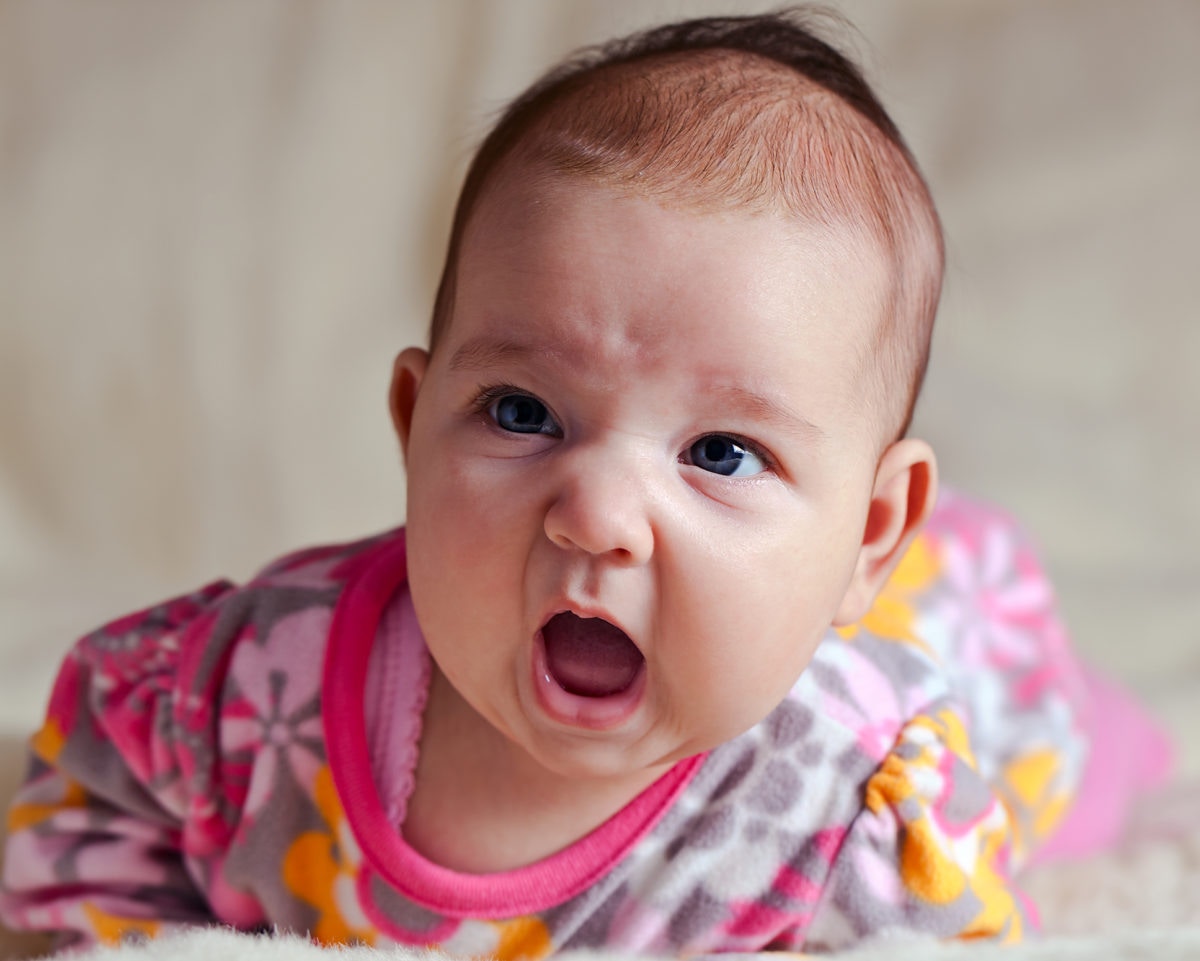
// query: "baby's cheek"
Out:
[740,661]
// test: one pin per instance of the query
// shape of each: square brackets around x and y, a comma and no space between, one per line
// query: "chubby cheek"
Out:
[741,669]
[743,631]
[469,531]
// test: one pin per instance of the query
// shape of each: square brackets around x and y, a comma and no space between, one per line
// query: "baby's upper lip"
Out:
[588,610]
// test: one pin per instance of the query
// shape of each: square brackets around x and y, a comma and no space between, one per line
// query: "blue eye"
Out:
[724,455]
[522,414]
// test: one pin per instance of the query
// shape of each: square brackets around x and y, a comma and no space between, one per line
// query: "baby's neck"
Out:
[482,805]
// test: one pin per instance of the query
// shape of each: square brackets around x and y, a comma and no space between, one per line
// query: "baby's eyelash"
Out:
[767,458]
[489,394]
[769,461]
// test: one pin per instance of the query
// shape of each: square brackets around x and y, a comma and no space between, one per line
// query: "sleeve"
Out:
[94,847]
[929,853]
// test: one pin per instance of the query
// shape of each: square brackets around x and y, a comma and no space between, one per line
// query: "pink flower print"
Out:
[870,704]
[274,724]
[996,606]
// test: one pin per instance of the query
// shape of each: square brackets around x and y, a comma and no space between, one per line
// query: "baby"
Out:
[668,658]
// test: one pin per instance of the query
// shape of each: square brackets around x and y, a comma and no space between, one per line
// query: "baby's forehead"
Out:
[529,219]
[563,230]
[720,130]
[535,199]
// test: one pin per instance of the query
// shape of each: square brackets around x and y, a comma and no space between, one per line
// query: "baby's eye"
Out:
[522,414]
[725,455]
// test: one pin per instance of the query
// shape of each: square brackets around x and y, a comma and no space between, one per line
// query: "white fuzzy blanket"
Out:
[1165,944]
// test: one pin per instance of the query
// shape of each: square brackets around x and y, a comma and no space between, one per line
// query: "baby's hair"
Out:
[725,113]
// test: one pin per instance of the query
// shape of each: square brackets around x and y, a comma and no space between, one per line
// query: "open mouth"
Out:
[589,657]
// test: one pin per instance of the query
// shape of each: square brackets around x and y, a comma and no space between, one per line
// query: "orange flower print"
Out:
[522,939]
[1034,780]
[320,868]
[944,856]
[46,744]
[517,939]
[113,929]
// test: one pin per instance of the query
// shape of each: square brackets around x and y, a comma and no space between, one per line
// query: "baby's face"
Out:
[638,469]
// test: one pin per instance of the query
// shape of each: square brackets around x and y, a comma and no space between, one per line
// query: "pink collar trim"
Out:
[526,890]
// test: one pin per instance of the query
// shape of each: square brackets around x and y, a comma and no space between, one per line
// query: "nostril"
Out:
[599,540]
[602,514]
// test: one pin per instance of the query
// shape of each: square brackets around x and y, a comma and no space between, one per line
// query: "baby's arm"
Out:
[930,852]
[96,835]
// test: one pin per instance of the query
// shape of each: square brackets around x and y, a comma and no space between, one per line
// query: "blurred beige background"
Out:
[220,220]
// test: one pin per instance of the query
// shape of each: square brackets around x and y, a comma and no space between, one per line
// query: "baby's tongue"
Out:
[588,656]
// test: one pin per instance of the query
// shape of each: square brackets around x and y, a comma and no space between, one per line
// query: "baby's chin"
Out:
[632,761]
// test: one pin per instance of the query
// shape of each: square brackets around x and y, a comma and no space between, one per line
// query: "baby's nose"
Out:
[602,507]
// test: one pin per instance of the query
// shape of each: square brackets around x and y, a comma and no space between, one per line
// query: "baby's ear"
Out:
[407,374]
[901,501]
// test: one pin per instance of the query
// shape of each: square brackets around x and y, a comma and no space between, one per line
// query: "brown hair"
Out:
[750,112]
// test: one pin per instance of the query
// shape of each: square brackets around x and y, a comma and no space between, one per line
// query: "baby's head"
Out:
[656,446]
[753,114]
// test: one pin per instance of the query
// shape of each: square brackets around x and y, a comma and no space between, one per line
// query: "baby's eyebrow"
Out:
[480,353]
[761,407]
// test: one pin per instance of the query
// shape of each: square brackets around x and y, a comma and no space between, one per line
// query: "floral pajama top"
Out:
[244,755]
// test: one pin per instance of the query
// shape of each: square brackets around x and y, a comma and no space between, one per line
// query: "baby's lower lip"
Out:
[575,710]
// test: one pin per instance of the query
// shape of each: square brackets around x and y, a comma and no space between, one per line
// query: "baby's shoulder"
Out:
[287,610]
[194,642]
[326,564]
[290,594]
[871,683]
